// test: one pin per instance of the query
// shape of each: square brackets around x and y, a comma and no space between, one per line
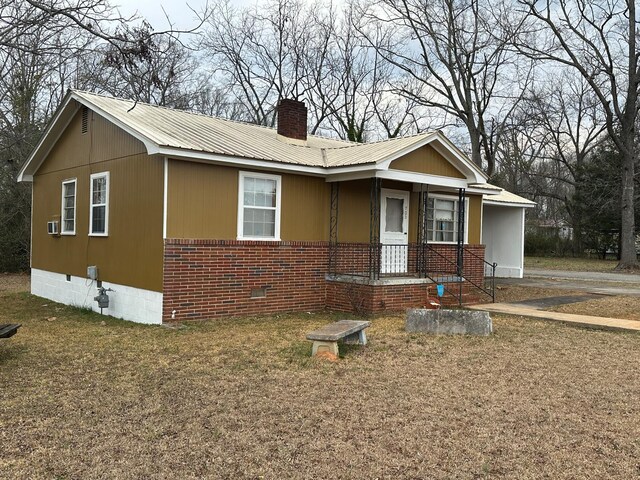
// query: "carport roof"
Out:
[508,199]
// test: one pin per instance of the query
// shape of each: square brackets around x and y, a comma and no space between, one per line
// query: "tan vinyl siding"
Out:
[354,211]
[305,208]
[426,160]
[203,203]
[103,141]
[132,252]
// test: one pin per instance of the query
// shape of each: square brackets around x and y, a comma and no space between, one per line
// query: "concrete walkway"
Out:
[583,320]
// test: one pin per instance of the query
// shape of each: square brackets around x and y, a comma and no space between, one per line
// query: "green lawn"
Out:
[84,397]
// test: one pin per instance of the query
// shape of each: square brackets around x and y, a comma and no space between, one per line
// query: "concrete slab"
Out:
[462,322]
[582,320]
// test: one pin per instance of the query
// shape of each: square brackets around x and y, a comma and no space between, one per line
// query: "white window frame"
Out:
[455,223]
[75,207]
[241,206]
[106,204]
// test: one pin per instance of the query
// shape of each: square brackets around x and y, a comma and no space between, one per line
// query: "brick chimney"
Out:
[292,119]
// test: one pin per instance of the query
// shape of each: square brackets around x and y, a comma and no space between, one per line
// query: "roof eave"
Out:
[508,204]
[179,153]
[46,142]
[58,125]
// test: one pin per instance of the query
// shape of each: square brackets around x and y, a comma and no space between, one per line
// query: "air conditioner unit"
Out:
[52,228]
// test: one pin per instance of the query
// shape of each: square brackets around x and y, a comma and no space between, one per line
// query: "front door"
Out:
[394,231]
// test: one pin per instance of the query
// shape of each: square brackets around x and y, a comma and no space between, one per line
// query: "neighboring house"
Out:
[551,228]
[187,216]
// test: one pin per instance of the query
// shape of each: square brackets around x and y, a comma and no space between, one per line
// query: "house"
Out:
[185,216]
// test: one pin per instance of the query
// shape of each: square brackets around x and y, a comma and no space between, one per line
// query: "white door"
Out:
[394,231]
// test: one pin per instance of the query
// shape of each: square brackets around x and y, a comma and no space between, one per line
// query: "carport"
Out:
[503,232]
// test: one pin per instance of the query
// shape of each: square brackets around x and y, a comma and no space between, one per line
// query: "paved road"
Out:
[589,276]
[592,282]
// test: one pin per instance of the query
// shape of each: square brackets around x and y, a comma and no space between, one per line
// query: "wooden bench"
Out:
[326,338]
[9,329]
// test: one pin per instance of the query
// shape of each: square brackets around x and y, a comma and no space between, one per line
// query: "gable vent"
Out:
[85,119]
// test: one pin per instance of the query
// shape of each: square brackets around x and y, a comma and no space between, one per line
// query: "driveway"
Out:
[594,282]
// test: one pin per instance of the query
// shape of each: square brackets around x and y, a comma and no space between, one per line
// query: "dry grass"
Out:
[80,399]
[516,293]
[11,282]
[619,306]
[570,264]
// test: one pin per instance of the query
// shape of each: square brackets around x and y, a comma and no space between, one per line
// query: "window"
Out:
[99,209]
[442,220]
[259,206]
[68,207]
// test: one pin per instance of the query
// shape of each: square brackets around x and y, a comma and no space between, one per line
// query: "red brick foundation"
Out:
[222,278]
[364,298]
[215,278]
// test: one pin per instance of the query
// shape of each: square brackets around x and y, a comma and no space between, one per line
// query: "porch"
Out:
[411,249]
[466,276]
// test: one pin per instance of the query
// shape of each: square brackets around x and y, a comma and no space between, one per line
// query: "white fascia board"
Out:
[404,176]
[423,178]
[481,191]
[238,161]
[506,204]
[357,175]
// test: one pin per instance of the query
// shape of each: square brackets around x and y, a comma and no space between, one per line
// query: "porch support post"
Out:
[374,229]
[422,230]
[333,229]
[460,246]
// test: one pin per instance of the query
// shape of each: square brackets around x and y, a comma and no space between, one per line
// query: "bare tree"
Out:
[549,136]
[258,52]
[44,44]
[155,69]
[599,40]
[34,72]
[455,58]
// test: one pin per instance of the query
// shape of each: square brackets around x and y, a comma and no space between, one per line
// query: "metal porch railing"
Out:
[441,264]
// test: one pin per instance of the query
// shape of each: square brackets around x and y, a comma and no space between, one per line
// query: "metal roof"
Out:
[505,198]
[182,134]
[200,133]
[183,130]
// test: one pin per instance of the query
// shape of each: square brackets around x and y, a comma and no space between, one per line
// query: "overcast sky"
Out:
[177,10]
